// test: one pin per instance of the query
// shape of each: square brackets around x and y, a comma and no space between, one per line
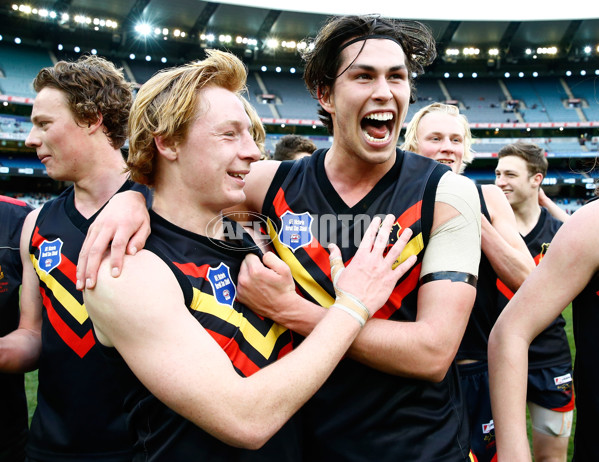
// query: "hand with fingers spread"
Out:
[123,226]
[367,282]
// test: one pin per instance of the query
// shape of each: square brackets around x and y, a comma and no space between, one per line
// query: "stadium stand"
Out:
[481,102]
[293,99]
[19,65]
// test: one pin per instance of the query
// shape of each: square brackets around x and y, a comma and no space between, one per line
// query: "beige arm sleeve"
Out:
[455,244]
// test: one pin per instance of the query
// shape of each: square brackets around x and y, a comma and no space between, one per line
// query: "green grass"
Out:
[31,382]
[31,391]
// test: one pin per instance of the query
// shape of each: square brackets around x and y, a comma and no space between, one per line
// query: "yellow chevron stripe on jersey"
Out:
[64,297]
[301,276]
[413,247]
[264,344]
[309,284]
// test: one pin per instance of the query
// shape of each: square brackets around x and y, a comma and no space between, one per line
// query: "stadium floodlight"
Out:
[163,59]
[507,75]
[583,72]
[278,69]
[18,40]
[148,58]
[143,29]
[76,49]
[446,75]
[272,43]
[474,75]
[535,74]
[94,51]
[588,50]
[263,68]
[520,74]
[131,56]
[292,70]
[460,75]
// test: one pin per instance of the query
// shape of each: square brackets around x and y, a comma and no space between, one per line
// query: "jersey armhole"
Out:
[185,284]
[428,200]
[483,205]
[275,184]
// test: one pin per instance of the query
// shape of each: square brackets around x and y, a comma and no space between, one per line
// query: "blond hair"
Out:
[411,137]
[166,105]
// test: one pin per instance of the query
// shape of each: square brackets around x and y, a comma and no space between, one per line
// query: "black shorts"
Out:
[551,388]
[474,380]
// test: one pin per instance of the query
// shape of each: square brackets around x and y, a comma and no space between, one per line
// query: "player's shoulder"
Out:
[459,184]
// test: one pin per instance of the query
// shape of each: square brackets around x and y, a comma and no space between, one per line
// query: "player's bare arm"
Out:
[20,350]
[565,269]
[501,242]
[422,349]
[184,367]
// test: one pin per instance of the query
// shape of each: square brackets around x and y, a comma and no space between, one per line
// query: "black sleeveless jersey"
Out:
[79,414]
[585,319]
[550,347]
[207,271]
[485,309]
[13,403]
[361,413]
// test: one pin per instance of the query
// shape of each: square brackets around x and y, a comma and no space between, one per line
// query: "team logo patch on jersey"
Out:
[50,255]
[296,230]
[222,285]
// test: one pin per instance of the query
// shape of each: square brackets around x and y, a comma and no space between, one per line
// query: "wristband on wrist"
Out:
[351,312]
[346,301]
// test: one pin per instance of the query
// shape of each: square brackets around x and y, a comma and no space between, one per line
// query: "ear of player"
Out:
[374,243]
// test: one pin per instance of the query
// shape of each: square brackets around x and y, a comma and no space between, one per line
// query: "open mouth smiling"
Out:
[377,126]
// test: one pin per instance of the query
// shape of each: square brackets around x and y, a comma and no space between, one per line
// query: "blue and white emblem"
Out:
[222,284]
[296,230]
[50,255]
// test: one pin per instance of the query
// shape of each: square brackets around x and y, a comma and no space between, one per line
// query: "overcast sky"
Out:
[475,10]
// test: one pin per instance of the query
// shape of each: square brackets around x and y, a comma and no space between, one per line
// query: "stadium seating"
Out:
[20,64]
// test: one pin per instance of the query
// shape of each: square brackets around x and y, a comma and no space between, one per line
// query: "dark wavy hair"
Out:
[93,87]
[323,60]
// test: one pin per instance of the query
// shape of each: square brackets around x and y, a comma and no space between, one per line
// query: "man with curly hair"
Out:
[79,121]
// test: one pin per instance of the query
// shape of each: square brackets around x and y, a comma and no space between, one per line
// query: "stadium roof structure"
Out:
[182,29]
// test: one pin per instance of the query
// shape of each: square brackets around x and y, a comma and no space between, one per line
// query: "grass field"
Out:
[31,381]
